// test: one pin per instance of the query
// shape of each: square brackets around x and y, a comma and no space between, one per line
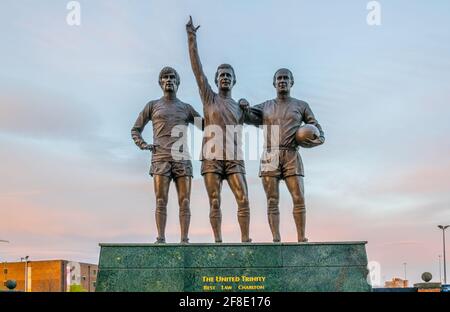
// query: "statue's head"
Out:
[283,80]
[169,80]
[225,78]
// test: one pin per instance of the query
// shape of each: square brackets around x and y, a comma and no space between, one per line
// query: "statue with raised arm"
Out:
[287,115]
[223,161]
[169,117]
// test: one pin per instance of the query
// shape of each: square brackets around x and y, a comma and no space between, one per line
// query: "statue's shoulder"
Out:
[300,103]
[269,102]
[184,104]
[149,105]
[152,102]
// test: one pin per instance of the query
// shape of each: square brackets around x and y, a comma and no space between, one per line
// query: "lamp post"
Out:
[404,267]
[26,271]
[443,228]
[440,269]
[89,278]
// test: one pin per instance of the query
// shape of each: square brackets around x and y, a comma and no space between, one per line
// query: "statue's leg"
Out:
[183,185]
[238,185]
[161,184]
[271,187]
[295,187]
[213,183]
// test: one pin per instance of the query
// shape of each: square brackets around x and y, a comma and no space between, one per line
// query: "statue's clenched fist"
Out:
[147,147]
[190,28]
[244,105]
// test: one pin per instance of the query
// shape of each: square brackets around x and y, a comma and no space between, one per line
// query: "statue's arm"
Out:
[309,118]
[195,118]
[202,82]
[252,115]
[136,132]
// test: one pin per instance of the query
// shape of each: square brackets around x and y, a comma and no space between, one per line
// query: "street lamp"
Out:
[443,228]
[404,265]
[440,269]
[26,271]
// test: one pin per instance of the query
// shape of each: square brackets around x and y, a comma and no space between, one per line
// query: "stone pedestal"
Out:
[428,287]
[340,266]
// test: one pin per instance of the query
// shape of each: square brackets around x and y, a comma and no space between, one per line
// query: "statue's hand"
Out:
[190,28]
[148,147]
[313,143]
[244,105]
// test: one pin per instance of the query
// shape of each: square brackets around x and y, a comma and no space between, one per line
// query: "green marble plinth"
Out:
[289,267]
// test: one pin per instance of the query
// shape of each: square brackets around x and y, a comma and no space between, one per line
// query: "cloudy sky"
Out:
[70,176]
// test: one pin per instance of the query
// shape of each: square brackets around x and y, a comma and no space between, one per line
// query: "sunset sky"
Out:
[71,177]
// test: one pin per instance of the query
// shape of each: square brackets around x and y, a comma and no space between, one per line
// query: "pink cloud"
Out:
[430,178]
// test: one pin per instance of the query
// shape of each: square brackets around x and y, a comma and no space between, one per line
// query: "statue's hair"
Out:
[225,66]
[166,70]
[283,69]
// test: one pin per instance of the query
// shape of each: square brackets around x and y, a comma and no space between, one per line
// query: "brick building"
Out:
[49,276]
[396,283]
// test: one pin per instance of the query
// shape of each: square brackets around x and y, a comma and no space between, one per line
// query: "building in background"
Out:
[396,283]
[49,276]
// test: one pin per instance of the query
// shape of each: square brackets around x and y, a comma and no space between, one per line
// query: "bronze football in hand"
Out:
[306,134]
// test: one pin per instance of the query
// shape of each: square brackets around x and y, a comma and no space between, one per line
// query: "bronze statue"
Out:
[166,114]
[220,110]
[288,114]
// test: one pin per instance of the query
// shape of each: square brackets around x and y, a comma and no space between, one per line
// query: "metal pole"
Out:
[26,279]
[443,228]
[404,264]
[440,269]
[445,260]
[26,272]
